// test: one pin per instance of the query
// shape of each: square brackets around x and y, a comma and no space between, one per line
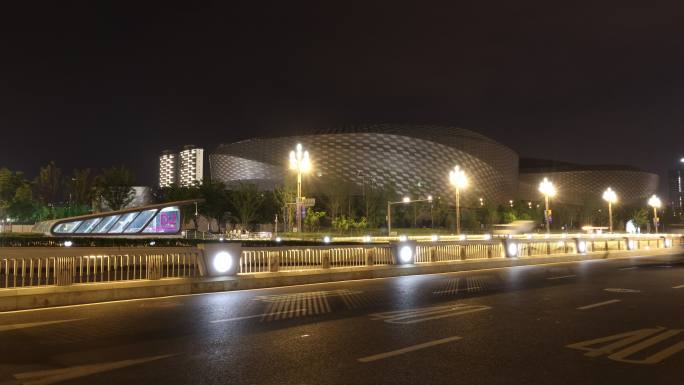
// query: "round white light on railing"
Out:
[221,239]
[68,243]
[434,237]
[403,238]
[367,238]
[326,239]
[582,247]
[405,254]
[668,242]
[487,237]
[631,244]
[152,243]
[223,262]
[462,237]
[512,249]
[529,236]
[278,239]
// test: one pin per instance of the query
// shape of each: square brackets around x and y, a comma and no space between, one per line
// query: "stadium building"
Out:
[412,160]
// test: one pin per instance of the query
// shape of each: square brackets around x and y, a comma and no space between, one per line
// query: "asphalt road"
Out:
[594,322]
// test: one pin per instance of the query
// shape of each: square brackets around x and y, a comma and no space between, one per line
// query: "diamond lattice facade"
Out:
[413,160]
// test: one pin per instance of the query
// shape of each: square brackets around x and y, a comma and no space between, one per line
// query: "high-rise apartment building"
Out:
[676,190]
[185,168]
[168,168]
[191,166]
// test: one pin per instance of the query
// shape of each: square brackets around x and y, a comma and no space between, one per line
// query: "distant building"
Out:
[676,191]
[185,168]
[191,168]
[168,168]
[578,184]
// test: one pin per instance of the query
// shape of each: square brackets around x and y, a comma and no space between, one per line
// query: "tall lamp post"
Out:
[299,161]
[459,180]
[611,197]
[654,202]
[547,189]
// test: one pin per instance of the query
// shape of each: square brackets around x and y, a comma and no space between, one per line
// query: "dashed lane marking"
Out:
[46,377]
[562,277]
[598,304]
[629,268]
[411,316]
[408,349]
[619,290]
[678,287]
[35,324]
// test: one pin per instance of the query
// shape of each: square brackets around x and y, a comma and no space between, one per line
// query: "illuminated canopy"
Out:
[160,219]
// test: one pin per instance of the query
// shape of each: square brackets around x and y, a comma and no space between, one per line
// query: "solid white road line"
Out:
[562,276]
[628,268]
[678,287]
[408,349]
[35,324]
[598,304]
[256,316]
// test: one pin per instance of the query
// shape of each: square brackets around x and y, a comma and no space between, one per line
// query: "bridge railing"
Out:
[102,265]
[29,267]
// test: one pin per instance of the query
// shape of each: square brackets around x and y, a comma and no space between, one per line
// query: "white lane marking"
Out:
[619,290]
[257,316]
[310,294]
[629,268]
[678,287]
[35,324]
[412,316]
[562,276]
[46,377]
[598,304]
[408,349]
[664,266]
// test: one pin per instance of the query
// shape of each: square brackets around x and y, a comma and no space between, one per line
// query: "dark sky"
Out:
[92,85]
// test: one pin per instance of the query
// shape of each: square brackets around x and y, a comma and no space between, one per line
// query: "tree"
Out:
[216,201]
[115,187]
[246,200]
[313,219]
[48,184]
[639,217]
[81,186]
[21,207]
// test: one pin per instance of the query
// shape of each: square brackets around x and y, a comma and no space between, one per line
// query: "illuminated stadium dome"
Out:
[414,160]
[579,184]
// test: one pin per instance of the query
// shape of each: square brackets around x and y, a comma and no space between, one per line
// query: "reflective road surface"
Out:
[593,322]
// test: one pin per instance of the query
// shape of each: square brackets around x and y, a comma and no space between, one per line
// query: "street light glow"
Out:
[406,200]
[609,195]
[547,188]
[299,159]
[458,178]
[654,202]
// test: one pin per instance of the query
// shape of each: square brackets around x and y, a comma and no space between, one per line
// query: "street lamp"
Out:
[459,180]
[654,202]
[549,191]
[299,161]
[611,197]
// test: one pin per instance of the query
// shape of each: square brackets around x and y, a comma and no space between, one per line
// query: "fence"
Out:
[31,271]
[41,266]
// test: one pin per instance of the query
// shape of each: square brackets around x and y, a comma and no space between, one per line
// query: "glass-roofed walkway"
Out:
[160,219]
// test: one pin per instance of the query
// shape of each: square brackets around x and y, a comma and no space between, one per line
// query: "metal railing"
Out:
[30,271]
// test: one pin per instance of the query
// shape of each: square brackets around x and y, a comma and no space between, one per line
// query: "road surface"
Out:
[593,322]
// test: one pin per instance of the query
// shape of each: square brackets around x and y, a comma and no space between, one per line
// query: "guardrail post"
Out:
[433,254]
[548,248]
[463,252]
[273,261]
[369,254]
[325,259]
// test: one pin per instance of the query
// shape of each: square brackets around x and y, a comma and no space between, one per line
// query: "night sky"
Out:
[94,85]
